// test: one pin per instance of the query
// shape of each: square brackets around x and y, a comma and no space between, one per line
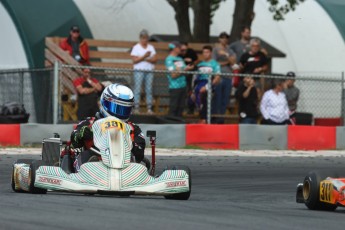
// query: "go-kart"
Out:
[320,192]
[114,174]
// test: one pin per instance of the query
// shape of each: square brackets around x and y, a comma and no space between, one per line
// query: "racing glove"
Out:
[85,133]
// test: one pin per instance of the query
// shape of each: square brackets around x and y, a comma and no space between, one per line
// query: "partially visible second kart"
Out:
[321,192]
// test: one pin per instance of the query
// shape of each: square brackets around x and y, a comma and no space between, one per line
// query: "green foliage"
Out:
[279,11]
[215,6]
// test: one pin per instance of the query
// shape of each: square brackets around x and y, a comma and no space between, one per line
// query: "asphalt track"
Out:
[229,192]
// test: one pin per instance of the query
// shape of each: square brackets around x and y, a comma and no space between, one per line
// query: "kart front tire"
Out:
[311,192]
[182,195]
[19,161]
[33,167]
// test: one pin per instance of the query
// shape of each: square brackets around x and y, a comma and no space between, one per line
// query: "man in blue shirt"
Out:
[177,81]
[205,67]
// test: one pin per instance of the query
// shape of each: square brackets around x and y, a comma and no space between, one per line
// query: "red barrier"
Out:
[213,136]
[10,134]
[328,121]
[311,137]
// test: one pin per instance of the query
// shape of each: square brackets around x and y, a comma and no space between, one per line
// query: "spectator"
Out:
[274,107]
[190,58]
[88,90]
[292,95]
[205,67]
[291,91]
[226,58]
[177,81]
[247,97]
[76,46]
[241,46]
[254,62]
[144,57]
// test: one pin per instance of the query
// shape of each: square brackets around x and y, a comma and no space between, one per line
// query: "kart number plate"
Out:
[326,191]
[112,124]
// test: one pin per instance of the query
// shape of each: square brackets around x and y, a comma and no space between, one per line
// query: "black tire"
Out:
[183,195]
[33,167]
[311,192]
[24,161]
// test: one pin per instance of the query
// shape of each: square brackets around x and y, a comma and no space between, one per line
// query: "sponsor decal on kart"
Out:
[175,184]
[326,191]
[49,180]
[111,124]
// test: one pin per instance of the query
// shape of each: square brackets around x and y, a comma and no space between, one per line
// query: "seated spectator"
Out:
[144,57]
[76,46]
[205,67]
[274,107]
[190,58]
[226,58]
[88,90]
[241,46]
[247,97]
[292,95]
[177,81]
[254,62]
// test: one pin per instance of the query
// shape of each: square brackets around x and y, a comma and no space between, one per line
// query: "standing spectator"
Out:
[190,58]
[88,90]
[76,46]
[241,46]
[226,58]
[274,107]
[177,81]
[144,57]
[291,91]
[247,97]
[205,67]
[254,62]
[292,95]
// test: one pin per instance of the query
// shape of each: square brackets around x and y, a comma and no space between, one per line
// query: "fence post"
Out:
[56,92]
[22,87]
[209,99]
[342,98]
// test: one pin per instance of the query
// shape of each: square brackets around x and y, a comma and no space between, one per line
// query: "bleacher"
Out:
[116,54]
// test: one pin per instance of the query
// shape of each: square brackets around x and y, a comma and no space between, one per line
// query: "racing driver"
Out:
[116,100]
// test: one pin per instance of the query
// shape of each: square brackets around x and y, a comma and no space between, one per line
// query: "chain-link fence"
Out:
[320,95]
[30,87]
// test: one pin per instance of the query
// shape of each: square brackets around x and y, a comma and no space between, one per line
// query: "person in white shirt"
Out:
[144,58]
[274,106]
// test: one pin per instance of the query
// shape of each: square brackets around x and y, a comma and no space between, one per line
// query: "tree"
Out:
[204,10]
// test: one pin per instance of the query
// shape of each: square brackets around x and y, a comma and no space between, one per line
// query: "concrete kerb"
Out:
[35,133]
[340,135]
[169,136]
[262,137]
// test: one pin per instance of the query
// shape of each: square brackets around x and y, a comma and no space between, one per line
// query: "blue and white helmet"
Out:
[117,100]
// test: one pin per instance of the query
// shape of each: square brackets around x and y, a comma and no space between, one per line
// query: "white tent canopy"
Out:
[12,53]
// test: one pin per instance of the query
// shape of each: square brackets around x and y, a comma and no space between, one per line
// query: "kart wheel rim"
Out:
[306,190]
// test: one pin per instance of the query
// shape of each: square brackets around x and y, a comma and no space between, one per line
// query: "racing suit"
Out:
[82,136]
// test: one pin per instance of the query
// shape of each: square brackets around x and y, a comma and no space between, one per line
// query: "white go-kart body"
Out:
[115,174]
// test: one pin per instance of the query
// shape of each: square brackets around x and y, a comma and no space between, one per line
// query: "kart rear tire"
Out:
[311,192]
[33,167]
[24,161]
[183,195]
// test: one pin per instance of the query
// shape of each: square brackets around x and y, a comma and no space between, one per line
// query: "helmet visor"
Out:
[116,110]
